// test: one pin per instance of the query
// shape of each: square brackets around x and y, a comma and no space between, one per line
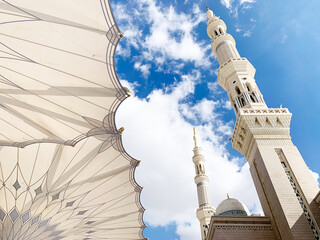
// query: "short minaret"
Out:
[285,186]
[205,210]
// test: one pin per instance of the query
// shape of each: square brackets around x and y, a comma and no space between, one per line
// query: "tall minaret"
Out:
[205,210]
[283,181]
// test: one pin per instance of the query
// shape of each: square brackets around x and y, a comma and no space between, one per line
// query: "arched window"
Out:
[243,102]
[248,87]
[202,169]
[215,33]
[220,30]
[237,90]
[235,107]
[252,98]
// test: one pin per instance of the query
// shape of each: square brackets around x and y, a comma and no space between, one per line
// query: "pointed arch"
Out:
[237,90]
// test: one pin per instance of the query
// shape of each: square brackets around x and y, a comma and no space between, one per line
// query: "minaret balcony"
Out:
[260,126]
[234,67]
[213,26]
[197,159]
[249,100]
[205,211]
[201,178]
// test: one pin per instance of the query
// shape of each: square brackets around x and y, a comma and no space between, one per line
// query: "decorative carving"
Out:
[260,124]
[234,212]
[277,142]
[300,197]
[233,67]
[243,227]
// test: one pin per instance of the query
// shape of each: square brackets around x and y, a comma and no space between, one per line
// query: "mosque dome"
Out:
[231,206]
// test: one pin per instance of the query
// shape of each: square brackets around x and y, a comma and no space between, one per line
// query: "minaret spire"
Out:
[205,210]
[195,138]
[236,74]
[209,13]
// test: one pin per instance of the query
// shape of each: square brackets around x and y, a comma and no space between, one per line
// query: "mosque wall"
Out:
[240,228]
[278,181]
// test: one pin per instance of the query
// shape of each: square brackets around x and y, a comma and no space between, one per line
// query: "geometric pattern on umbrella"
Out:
[59,88]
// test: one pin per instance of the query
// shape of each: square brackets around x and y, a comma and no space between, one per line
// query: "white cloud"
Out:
[122,51]
[234,6]
[226,104]
[315,176]
[143,68]
[283,36]
[247,33]
[227,3]
[201,112]
[252,20]
[189,231]
[162,35]
[160,136]
[205,110]
[247,1]
[213,87]
[225,129]
[130,86]
[130,30]
[171,34]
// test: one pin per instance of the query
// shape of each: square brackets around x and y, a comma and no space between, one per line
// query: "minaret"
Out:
[283,181]
[205,210]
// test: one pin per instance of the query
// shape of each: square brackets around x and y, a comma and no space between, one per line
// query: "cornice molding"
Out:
[234,67]
[263,126]
[243,226]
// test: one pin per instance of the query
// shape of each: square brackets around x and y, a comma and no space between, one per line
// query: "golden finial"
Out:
[120,131]
[127,91]
[120,35]
[207,8]
[228,195]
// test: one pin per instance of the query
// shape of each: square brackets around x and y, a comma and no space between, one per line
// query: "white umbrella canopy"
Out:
[59,88]
[57,70]
[50,190]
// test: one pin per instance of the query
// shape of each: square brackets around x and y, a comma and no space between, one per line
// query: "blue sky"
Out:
[165,59]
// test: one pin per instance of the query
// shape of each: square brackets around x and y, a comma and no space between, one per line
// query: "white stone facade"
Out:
[285,186]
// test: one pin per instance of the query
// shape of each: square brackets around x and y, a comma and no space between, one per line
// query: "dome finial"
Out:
[228,195]
[209,13]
